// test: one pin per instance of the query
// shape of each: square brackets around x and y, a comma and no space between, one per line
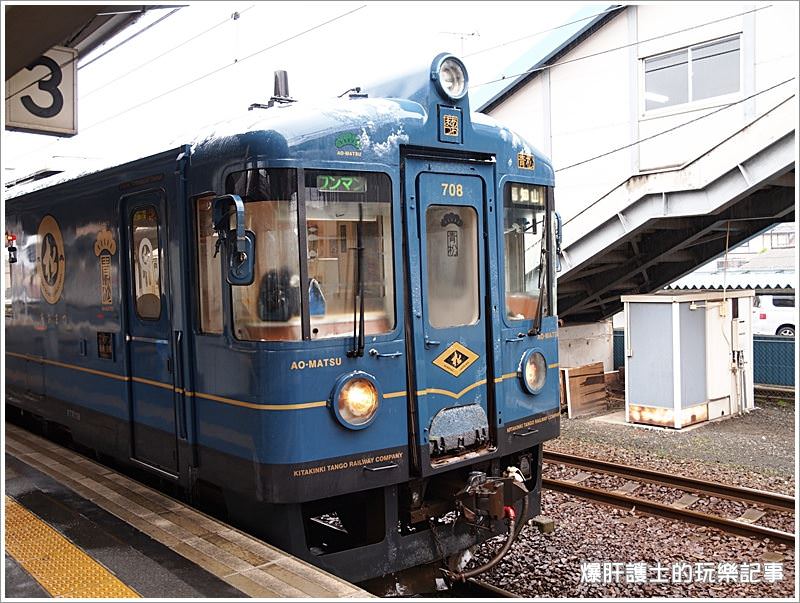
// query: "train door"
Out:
[446,213]
[150,354]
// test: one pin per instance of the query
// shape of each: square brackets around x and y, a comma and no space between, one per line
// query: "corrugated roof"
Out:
[737,280]
[548,50]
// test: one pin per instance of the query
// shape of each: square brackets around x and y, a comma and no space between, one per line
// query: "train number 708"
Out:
[452,190]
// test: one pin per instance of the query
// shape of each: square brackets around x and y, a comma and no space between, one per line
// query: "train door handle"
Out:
[525,433]
[429,343]
[376,354]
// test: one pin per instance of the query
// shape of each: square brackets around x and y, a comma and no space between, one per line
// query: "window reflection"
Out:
[524,227]
[452,249]
[269,308]
[335,200]
[146,263]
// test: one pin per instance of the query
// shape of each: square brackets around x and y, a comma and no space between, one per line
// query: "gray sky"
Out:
[145,95]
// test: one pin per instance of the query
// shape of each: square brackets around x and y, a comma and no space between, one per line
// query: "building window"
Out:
[692,74]
[781,240]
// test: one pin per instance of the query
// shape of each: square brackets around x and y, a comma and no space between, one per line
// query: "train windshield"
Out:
[334,206]
[525,227]
[338,205]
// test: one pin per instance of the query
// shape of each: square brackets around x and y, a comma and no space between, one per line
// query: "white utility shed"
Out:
[688,358]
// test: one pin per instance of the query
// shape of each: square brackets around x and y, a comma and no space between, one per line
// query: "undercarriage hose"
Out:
[513,532]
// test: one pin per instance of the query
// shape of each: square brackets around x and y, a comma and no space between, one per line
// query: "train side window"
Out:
[146,253]
[209,270]
[7,284]
[524,227]
[269,309]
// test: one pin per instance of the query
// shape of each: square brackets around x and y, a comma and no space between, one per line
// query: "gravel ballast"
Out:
[550,565]
[756,450]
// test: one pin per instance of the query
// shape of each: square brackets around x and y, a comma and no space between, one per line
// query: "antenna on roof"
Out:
[280,94]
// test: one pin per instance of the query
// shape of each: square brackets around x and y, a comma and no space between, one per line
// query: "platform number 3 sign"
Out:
[41,97]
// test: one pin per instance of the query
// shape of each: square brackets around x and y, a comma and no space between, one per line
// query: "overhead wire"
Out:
[202,77]
[166,52]
[222,68]
[128,39]
[672,129]
[77,58]
[543,31]
[622,47]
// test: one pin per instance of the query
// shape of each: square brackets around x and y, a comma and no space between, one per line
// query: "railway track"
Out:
[679,510]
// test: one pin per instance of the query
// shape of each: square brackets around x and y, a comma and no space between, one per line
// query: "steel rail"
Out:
[655,508]
[772,500]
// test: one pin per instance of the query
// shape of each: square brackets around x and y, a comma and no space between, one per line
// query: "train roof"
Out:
[357,130]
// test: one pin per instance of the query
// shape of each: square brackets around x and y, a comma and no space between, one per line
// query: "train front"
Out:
[390,274]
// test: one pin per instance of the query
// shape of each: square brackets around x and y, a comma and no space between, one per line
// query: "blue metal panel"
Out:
[442,384]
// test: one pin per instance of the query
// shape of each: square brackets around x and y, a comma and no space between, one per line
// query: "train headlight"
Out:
[450,75]
[533,371]
[356,400]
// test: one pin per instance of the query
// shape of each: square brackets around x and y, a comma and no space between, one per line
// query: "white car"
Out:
[774,315]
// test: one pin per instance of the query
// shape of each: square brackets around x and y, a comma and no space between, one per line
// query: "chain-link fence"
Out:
[773,360]
[619,348]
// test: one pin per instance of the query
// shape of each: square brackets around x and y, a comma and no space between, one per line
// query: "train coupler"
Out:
[490,498]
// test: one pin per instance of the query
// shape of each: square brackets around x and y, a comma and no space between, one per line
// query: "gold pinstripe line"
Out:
[154,383]
[259,406]
[252,405]
[171,387]
[554,365]
[504,377]
[69,366]
[445,392]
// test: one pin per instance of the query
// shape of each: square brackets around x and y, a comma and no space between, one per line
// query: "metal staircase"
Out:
[658,226]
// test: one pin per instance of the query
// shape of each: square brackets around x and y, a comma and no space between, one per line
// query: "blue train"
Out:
[338,319]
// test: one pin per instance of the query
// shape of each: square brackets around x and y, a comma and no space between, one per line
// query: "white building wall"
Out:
[587,107]
[591,114]
[528,113]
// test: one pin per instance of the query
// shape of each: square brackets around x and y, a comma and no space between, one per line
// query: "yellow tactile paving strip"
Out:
[63,570]
[250,565]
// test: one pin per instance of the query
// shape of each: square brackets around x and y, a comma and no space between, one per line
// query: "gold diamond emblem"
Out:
[456,359]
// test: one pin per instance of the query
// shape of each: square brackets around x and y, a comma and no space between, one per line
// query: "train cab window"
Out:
[146,253]
[270,308]
[452,250]
[341,208]
[524,226]
[209,270]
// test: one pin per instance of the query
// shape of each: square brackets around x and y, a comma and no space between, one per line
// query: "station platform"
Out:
[77,529]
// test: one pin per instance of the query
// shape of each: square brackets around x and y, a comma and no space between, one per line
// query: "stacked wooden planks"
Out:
[584,389]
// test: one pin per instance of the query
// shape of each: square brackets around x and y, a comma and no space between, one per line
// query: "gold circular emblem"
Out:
[50,259]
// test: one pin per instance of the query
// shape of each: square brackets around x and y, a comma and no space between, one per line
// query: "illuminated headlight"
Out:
[355,400]
[533,371]
[451,77]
